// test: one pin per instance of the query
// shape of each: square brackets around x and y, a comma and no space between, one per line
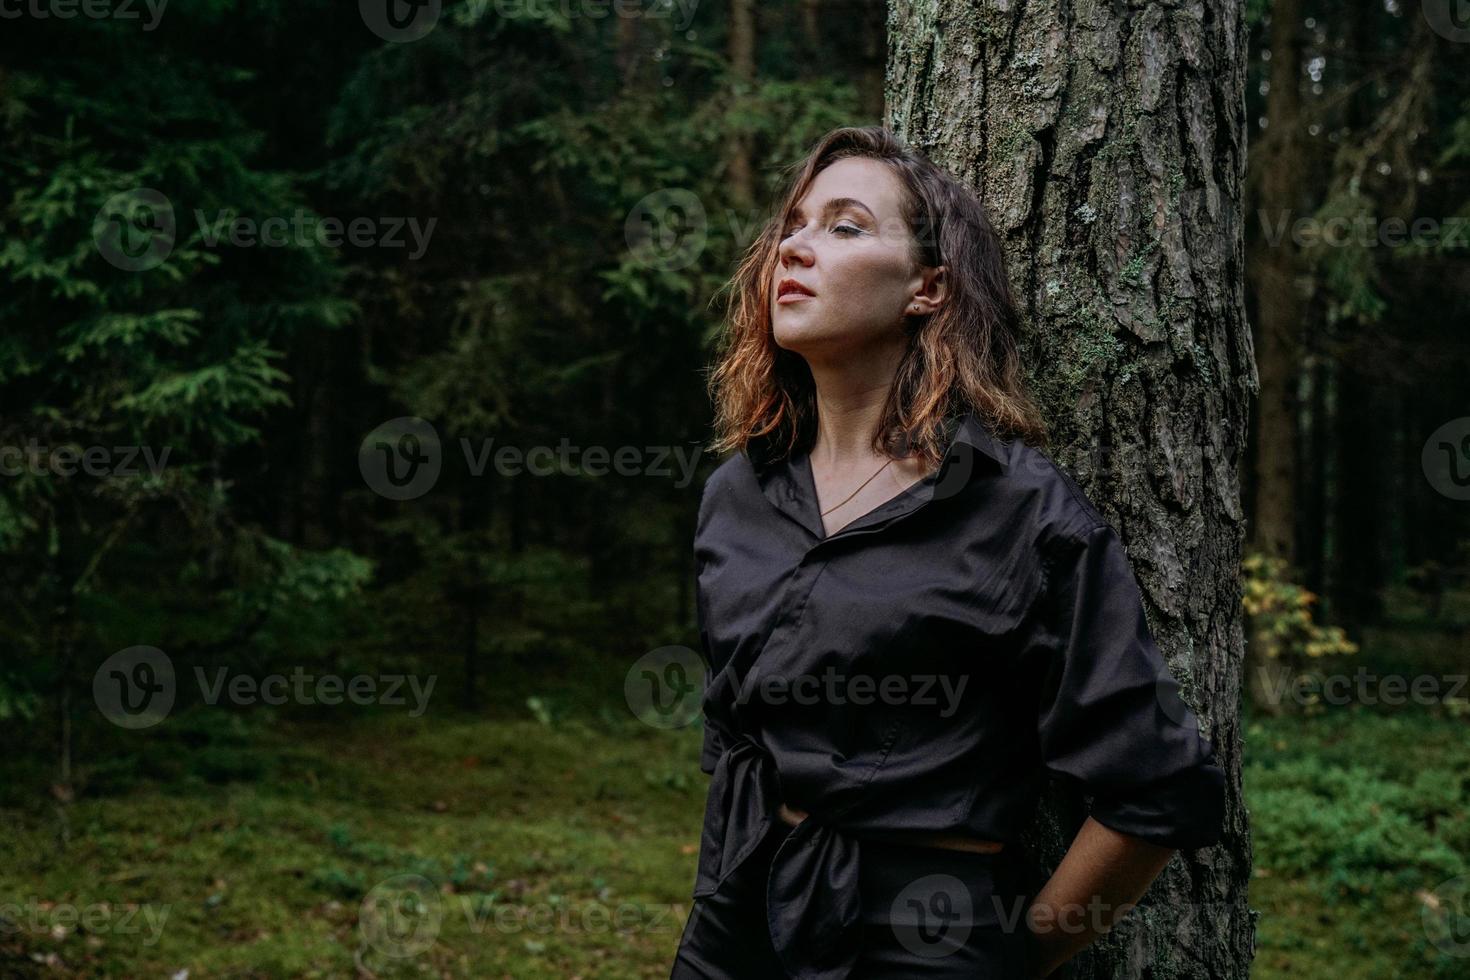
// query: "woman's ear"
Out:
[933,292]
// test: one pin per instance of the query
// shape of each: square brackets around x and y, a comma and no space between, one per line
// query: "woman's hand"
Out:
[1103,875]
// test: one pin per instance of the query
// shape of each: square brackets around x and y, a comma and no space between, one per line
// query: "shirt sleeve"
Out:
[714,735]
[1110,713]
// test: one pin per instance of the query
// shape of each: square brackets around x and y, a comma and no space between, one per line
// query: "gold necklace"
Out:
[855,492]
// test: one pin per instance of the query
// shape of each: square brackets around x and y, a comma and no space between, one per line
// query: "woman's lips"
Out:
[789,291]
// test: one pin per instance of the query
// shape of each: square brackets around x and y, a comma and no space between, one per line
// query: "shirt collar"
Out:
[787,481]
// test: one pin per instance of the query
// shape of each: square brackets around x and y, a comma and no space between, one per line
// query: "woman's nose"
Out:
[794,246]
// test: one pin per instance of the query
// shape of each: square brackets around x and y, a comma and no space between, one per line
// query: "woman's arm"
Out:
[1112,721]
[1102,875]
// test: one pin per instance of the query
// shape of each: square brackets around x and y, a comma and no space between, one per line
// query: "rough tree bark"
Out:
[1107,140]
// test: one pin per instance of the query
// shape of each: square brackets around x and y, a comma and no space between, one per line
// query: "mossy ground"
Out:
[568,849]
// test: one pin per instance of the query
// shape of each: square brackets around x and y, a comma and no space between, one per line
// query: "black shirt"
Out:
[918,670]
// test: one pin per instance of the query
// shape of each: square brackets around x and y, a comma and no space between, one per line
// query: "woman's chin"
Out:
[796,331]
[797,339]
[818,338]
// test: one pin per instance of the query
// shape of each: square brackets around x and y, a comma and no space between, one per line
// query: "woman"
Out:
[911,616]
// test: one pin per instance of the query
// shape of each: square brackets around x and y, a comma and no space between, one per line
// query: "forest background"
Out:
[243,247]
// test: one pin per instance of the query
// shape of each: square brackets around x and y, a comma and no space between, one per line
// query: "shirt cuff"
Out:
[1183,811]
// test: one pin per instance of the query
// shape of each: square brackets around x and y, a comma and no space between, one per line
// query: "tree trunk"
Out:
[742,66]
[1274,264]
[1108,144]
[1274,267]
[1316,472]
[1360,475]
[811,33]
[631,49]
[873,44]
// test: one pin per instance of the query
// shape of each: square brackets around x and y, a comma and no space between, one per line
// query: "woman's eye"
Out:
[848,229]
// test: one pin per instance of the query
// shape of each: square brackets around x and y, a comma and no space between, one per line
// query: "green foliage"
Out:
[1457,147]
[165,368]
[1357,819]
[297,592]
[1354,825]
[16,702]
[1349,266]
[546,710]
[1281,615]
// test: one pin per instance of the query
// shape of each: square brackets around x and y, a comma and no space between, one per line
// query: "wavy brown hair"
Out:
[962,357]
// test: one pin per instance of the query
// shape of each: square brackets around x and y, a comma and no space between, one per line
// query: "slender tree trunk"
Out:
[811,31]
[1108,143]
[631,49]
[1316,468]
[1332,479]
[63,643]
[742,67]
[874,49]
[1360,473]
[1274,267]
[1367,496]
[316,471]
[1396,495]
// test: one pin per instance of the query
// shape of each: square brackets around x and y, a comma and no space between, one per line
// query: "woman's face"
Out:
[848,244]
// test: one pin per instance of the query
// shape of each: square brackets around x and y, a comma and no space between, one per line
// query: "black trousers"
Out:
[927,913]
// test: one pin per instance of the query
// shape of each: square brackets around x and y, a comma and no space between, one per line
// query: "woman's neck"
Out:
[850,398]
